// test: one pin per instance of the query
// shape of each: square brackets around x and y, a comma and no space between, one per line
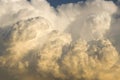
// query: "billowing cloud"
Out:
[75,41]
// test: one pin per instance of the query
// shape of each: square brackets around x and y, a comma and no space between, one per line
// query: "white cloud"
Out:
[75,41]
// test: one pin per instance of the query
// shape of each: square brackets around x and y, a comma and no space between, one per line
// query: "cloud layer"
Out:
[75,41]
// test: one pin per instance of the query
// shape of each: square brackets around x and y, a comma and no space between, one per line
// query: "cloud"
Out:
[75,41]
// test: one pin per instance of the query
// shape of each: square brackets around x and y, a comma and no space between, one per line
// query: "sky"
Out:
[55,3]
[59,2]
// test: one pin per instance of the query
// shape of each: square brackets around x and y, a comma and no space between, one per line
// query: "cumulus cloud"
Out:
[75,41]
